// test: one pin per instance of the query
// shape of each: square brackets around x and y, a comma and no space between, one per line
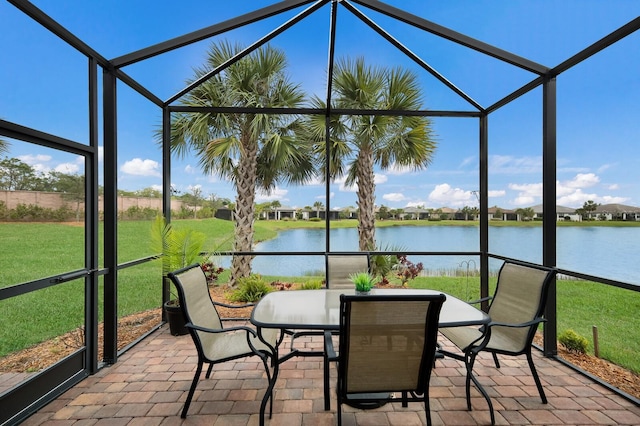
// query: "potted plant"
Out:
[363,282]
[178,248]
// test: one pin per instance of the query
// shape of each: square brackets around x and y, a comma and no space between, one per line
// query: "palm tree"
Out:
[318,205]
[251,150]
[361,142]
[4,147]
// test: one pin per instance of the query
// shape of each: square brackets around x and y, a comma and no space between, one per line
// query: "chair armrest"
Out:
[222,330]
[226,305]
[329,351]
[517,325]
[484,299]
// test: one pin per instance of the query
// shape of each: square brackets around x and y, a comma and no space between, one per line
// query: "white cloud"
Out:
[140,167]
[275,194]
[394,196]
[157,187]
[100,154]
[497,193]
[378,179]
[416,204]
[576,198]
[528,190]
[582,180]
[323,197]
[524,200]
[344,188]
[397,170]
[613,187]
[188,169]
[34,159]
[40,168]
[506,164]
[445,195]
[604,167]
[607,199]
[469,160]
[569,192]
[315,181]
[67,168]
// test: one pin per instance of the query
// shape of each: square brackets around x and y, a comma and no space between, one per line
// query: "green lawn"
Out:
[32,251]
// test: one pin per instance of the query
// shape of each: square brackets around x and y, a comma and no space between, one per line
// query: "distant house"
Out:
[498,213]
[224,213]
[279,213]
[414,213]
[334,214]
[562,213]
[616,212]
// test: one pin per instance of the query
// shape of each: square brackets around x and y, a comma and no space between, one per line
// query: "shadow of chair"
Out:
[516,310]
[387,344]
[214,343]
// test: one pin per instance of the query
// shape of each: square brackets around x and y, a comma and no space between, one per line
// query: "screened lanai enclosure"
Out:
[480,128]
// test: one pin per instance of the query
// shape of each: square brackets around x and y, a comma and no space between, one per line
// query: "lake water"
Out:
[605,252]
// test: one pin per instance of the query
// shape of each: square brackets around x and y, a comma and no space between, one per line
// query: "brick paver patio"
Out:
[149,384]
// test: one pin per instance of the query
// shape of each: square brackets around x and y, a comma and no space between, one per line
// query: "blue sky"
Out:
[43,81]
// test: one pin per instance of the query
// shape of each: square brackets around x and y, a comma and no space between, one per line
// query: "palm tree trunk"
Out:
[243,211]
[366,200]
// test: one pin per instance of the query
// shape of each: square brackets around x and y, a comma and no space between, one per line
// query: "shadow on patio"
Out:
[149,384]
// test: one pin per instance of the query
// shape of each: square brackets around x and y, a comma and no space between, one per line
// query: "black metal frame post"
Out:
[110,218]
[549,211]
[484,206]
[91,237]
[166,193]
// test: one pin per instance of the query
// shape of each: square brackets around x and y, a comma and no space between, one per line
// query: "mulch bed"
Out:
[130,328]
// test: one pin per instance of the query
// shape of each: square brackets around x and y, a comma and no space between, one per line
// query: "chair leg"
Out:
[536,378]
[427,408]
[327,397]
[469,360]
[209,370]
[264,359]
[194,383]
[495,359]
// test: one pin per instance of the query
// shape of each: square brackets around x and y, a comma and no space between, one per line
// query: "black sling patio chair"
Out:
[387,344]
[215,343]
[341,267]
[516,310]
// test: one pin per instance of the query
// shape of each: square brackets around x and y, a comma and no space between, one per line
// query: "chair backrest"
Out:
[339,267]
[387,342]
[195,300]
[520,296]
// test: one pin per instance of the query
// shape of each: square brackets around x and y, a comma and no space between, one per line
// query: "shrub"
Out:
[4,211]
[314,219]
[250,289]
[211,271]
[311,285]
[362,280]
[407,270]
[205,213]
[573,342]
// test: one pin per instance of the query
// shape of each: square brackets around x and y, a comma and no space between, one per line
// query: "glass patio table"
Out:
[319,311]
